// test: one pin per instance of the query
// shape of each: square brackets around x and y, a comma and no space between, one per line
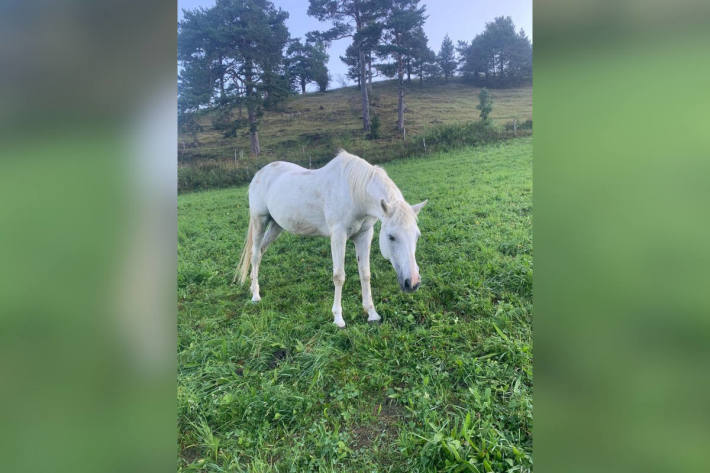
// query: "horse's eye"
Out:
[391,238]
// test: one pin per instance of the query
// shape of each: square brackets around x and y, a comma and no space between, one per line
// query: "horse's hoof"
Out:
[254,300]
[339,325]
[374,321]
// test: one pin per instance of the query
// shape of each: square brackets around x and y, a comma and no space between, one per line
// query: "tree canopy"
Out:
[307,63]
[359,20]
[498,57]
[446,59]
[233,52]
[402,41]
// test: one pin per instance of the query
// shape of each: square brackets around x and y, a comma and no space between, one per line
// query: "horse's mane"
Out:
[358,173]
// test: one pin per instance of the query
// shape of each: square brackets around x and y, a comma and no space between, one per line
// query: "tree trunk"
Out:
[369,75]
[254,140]
[400,95]
[363,89]
[221,83]
[303,86]
[253,128]
[251,114]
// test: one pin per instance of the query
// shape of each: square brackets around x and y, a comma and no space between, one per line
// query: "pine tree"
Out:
[319,65]
[352,60]
[498,57]
[240,44]
[421,54]
[359,20]
[307,63]
[401,34]
[447,58]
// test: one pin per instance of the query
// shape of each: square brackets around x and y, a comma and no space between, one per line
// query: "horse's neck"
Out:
[380,188]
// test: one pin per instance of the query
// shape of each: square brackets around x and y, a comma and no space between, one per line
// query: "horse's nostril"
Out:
[416,286]
[406,284]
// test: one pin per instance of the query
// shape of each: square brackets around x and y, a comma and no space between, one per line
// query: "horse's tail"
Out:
[245,260]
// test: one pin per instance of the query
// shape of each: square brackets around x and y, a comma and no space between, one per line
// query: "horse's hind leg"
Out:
[270,230]
[273,230]
[259,222]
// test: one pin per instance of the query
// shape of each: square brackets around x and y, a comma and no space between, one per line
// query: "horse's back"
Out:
[291,195]
[266,175]
[264,181]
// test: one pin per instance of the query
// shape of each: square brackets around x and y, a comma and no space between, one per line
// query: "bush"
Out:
[222,121]
[446,137]
[195,178]
[526,125]
[374,128]
[188,125]
[485,104]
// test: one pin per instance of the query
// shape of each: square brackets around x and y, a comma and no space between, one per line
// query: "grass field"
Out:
[443,384]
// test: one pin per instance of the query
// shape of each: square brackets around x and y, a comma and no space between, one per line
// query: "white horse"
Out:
[342,200]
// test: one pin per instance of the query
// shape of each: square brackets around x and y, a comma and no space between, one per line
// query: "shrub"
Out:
[222,121]
[374,128]
[445,137]
[188,124]
[222,118]
[192,178]
[485,104]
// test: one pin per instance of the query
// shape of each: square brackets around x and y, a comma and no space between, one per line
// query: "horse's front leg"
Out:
[338,238]
[363,241]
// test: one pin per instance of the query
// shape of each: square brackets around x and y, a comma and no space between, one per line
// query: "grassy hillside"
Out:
[443,384]
[314,126]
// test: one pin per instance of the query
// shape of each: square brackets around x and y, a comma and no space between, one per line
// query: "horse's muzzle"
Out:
[407,286]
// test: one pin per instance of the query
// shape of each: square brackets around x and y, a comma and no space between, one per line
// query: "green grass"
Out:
[314,126]
[443,384]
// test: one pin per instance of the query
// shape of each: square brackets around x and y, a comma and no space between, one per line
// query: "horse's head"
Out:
[398,241]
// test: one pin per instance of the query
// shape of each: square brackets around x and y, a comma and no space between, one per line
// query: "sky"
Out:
[461,19]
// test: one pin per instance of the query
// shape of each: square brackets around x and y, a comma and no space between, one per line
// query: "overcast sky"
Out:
[461,19]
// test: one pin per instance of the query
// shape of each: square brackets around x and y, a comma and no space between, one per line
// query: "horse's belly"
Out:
[302,219]
[300,226]
[294,200]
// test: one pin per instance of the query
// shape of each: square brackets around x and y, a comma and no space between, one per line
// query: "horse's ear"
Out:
[418,207]
[386,208]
